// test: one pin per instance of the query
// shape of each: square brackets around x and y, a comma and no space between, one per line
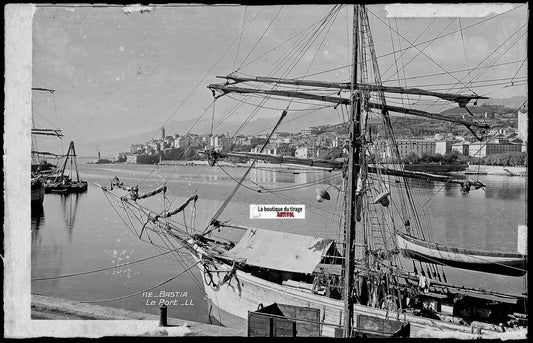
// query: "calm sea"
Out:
[80,233]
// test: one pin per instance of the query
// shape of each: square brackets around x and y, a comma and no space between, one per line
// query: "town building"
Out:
[492,147]
[445,146]
[462,147]
[523,122]
[418,146]
[136,148]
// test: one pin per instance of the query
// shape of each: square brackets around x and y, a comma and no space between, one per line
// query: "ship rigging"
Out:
[363,274]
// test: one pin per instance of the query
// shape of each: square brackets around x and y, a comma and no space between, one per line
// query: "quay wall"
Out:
[496,170]
[46,310]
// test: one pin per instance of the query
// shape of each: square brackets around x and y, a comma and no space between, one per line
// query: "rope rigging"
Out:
[106,268]
[163,232]
[505,51]
[298,53]
[380,255]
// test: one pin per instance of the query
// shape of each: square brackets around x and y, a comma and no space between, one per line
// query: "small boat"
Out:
[69,187]
[63,184]
[511,264]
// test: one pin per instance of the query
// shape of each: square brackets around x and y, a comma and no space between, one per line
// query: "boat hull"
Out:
[37,194]
[229,302]
[510,264]
[75,187]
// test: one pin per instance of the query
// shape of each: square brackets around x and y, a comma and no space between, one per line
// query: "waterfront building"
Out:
[137,148]
[445,146]
[418,146]
[220,142]
[523,122]
[462,147]
[169,141]
[492,147]
[184,141]
[304,151]
[153,146]
[240,140]
[284,149]
[123,156]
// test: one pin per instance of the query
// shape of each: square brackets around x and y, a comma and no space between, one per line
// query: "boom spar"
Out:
[343,101]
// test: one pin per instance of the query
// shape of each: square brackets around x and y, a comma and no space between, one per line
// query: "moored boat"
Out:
[62,183]
[37,193]
[502,263]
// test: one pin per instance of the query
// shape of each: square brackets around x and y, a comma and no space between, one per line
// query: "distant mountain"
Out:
[515,102]
[480,110]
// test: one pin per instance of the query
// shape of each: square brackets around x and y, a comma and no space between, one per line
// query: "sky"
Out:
[118,73]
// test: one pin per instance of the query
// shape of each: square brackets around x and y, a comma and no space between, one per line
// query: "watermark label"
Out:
[174,298]
[277,211]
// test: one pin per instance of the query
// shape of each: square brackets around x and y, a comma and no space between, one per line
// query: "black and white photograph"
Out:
[266,170]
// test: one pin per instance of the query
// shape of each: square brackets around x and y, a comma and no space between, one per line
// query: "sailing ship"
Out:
[360,277]
[40,167]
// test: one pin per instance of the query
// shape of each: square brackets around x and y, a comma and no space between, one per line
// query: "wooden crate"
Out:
[367,326]
[281,320]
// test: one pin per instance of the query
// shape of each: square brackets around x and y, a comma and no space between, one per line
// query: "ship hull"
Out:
[37,199]
[510,264]
[74,187]
[231,301]
[37,195]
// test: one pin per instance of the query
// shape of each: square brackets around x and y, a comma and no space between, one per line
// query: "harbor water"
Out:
[80,233]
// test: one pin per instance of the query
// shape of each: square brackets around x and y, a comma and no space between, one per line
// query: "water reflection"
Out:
[37,217]
[507,193]
[69,205]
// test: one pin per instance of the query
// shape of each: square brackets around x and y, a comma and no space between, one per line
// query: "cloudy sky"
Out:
[119,73]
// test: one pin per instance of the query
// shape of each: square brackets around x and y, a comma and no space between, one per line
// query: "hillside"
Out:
[404,126]
[293,123]
[480,110]
[515,102]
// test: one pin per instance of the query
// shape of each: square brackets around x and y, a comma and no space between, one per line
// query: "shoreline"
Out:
[482,169]
[471,170]
[196,163]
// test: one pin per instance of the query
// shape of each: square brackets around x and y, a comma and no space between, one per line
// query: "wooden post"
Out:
[163,315]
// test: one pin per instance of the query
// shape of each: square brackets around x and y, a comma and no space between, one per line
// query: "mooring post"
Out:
[163,315]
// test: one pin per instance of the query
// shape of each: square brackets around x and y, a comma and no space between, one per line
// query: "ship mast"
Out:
[354,166]
[353,171]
